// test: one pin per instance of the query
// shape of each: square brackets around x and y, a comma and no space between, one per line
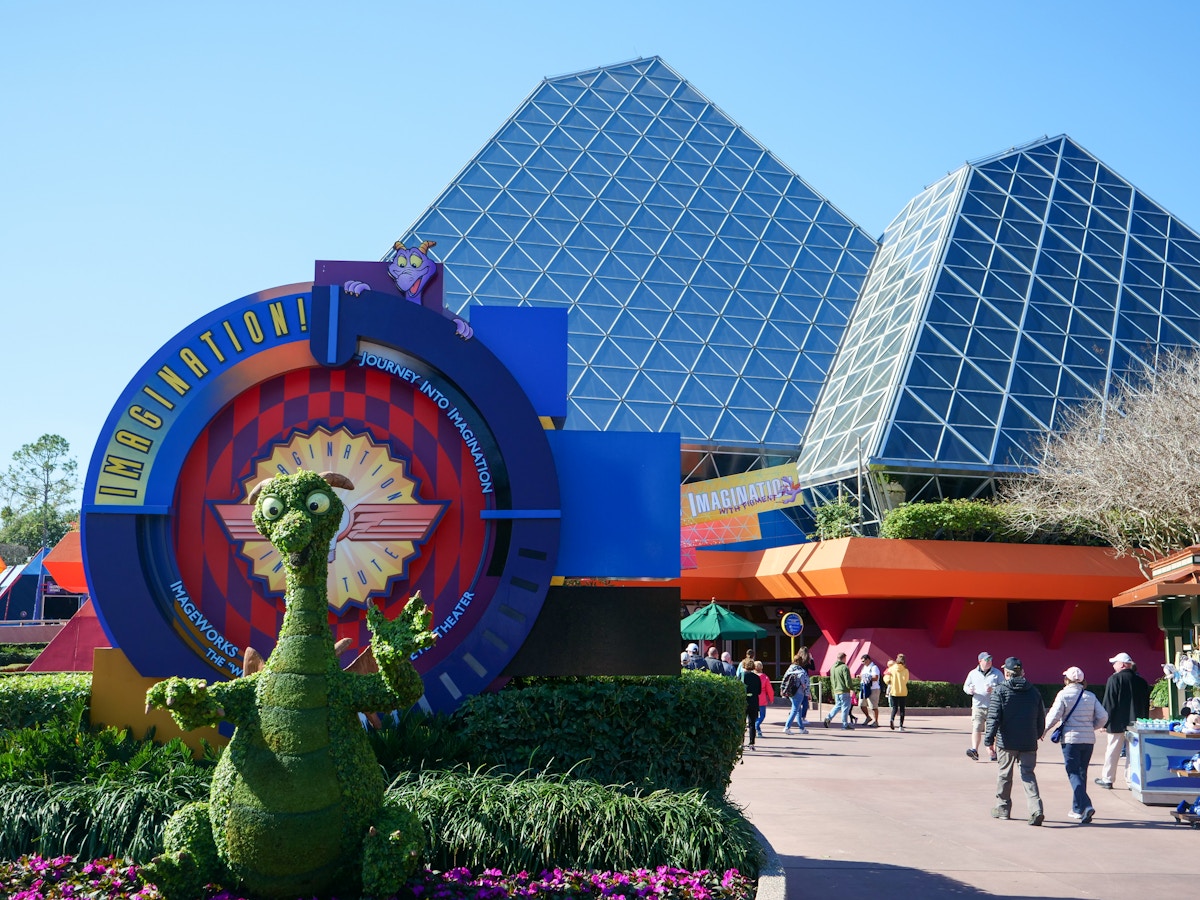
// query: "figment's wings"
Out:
[368,521]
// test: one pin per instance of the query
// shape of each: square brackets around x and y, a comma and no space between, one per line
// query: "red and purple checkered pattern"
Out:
[362,401]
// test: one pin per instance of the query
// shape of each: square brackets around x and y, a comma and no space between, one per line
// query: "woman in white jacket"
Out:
[1077,711]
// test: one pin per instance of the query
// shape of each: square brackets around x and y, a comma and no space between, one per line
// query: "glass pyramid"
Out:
[707,286]
[1013,288]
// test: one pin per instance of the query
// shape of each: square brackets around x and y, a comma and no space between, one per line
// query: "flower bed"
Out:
[65,878]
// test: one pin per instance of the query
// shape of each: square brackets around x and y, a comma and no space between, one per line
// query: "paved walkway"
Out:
[873,812]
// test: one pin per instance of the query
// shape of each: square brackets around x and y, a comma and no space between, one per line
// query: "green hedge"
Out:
[940,694]
[669,731]
[949,520]
[19,654]
[28,700]
[977,520]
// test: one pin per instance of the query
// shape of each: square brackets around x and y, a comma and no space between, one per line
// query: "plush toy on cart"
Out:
[1186,671]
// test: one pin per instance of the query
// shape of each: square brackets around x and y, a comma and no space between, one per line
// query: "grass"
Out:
[90,820]
[531,822]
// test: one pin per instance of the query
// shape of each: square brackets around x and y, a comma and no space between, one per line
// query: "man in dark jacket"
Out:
[713,661]
[1127,699]
[1015,722]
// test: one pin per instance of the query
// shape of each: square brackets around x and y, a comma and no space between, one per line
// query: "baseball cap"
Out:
[984,655]
[1013,664]
[1074,674]
[1122,658]
[692,648]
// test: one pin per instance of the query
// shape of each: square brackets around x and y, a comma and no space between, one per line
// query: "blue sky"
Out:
[160,160]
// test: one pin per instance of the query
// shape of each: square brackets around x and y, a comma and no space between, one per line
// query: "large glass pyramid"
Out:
[1011,289]
[708,287]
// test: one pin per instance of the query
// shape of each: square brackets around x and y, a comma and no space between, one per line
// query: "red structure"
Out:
[941,602]
[72,648]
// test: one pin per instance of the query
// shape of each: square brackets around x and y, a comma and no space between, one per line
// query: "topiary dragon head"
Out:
[299,514]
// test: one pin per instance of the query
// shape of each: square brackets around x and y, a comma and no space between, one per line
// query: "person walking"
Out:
[1078,713]
[1016,720]
[746,663]
[806,660]
[712,660]
[728,669]
[868,689]
[980,683]
[694,659]
[1126,699]
[794,688]
[765,697]
[753,687]
[840,685]
[897,678]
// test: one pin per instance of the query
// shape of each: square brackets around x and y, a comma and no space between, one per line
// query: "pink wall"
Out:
[927,662]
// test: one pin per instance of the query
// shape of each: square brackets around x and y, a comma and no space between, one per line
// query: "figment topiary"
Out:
[297,805]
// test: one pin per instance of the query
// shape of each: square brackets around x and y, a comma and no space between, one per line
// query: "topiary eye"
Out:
[317,502]
[272,508]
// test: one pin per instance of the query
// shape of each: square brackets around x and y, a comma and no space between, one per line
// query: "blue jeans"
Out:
[762,714]
[799,711]
[1076,758]
[843,703]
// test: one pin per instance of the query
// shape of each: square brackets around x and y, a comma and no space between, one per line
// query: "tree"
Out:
[1126,469]
[39,486]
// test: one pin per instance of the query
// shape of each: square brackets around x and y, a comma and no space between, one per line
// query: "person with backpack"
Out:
[794,689]
[868,685]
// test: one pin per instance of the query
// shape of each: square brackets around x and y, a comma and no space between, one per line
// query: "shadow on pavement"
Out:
[826,878]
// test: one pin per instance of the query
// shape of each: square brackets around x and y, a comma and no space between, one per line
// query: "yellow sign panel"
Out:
[748,493]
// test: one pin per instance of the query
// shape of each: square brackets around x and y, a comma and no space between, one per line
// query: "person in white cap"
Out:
[1076,713]
[694,660]
[980,683]
[1127,699]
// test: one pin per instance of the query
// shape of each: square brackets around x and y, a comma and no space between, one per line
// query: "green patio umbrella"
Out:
[714,622]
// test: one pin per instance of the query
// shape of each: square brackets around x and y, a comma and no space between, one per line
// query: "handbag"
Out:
[1056,734]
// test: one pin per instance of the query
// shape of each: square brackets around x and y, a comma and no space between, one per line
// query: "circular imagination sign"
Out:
[445,452]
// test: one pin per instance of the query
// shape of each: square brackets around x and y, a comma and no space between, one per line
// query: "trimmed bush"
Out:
[978,520]
[19,654]
[540,821]
[27,700]
[666,731]
[940,694]
[949,520]
[70,790]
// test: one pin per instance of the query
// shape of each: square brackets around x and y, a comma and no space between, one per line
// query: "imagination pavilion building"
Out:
[712,292]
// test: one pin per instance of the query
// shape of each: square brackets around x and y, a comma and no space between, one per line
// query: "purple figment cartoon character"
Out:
[789,490]
[411,269]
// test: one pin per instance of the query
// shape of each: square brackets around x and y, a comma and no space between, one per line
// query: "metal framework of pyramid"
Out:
[712,292]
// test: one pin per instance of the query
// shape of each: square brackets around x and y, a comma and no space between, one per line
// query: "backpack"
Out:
[788,688]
